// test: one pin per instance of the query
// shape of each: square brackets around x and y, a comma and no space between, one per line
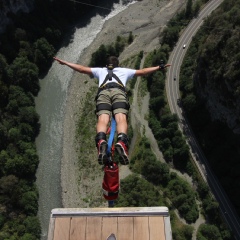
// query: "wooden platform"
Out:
[147,223]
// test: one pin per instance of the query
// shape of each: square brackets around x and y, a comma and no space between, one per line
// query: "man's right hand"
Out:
[59,60]
[163,66]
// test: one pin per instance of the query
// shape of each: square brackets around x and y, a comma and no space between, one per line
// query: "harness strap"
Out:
[110,74]
[103,106]
[120,105]
[109,77]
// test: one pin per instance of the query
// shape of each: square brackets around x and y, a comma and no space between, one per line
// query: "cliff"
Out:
[13,6]
[217,75]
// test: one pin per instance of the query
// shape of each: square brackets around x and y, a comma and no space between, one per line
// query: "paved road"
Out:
[173,96]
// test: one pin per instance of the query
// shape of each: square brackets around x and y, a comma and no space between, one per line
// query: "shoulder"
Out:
[127,70]
[98,70]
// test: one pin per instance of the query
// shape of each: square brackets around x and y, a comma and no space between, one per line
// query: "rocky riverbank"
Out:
[145,19]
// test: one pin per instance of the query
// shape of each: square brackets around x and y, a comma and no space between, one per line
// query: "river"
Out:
[50,105]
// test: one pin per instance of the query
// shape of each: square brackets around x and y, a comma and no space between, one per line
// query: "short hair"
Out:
[113,61]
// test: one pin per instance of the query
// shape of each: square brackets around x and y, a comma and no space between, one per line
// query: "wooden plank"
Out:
[109,226]
[140,228]
[62,229]
[78,228]
[125,228]
[93,228]
[156,228]
[51,228]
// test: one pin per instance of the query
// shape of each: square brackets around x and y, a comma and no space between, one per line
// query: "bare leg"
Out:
[102,123]
[121,120]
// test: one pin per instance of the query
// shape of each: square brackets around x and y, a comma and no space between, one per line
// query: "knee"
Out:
[103,119]
[120,117]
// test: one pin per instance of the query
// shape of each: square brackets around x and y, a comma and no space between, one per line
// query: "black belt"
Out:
[111,85]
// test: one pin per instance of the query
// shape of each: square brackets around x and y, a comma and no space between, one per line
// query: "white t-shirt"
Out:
[124,74]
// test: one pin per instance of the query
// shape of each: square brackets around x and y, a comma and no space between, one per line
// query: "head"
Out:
[112,62]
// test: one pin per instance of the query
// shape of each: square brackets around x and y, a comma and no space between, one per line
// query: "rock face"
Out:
[222,109]
[221,95]
[217,75]
[13,6]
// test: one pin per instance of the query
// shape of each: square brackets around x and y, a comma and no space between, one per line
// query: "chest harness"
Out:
[104,86]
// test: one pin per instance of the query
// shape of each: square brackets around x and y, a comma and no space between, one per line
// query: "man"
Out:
[112,99]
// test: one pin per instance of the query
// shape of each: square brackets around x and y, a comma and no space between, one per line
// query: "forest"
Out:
[215,70]
[27,47]
[28,44]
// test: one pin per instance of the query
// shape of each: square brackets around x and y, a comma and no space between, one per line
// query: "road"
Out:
[173,95]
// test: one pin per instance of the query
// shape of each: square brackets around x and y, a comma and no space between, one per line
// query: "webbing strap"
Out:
[111,137]
[109,77]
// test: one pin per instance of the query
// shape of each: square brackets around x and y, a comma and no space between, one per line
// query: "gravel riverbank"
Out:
[145,19]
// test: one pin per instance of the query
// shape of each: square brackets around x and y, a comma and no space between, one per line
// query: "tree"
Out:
[196,8]
[29,202]
[119,45]
[156,85]
[167,119]
[111,50]
[28,115]
[209,232]
[23,98]
[98,56]
[26,50]
[3,68]
[8,184]
[3,94]
[189,102]
[187,232]
[43,53]
[28,236]
[137,192]
[202,189]
[23,165]
[25,74]
[130,38]
[14,134]
[188,12]
[32,226]
[154,171]
[170,36]
[3,138]
[157,103]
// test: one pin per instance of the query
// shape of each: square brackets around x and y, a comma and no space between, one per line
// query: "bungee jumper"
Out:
[111,100]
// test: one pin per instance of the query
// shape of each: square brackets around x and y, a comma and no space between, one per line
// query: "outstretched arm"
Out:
[74,66]
[145,71]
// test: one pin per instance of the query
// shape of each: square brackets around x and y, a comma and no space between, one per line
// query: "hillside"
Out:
[210,84]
